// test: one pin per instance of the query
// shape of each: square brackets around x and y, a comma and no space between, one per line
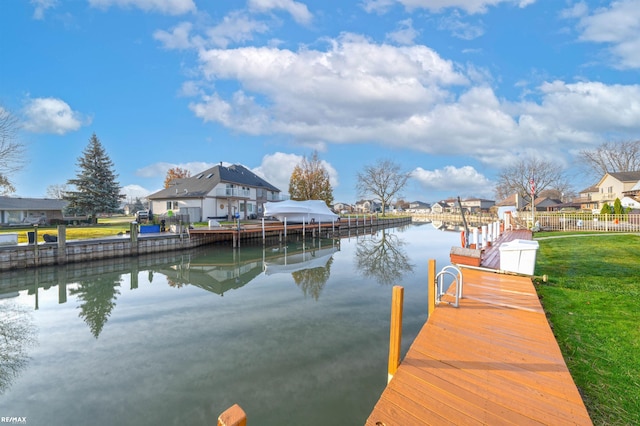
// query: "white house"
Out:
[615,185]
[219,192]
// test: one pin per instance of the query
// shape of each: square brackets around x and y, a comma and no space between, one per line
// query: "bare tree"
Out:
[611,157]
[383,180]
[11,151]
[519,177]
[57,191]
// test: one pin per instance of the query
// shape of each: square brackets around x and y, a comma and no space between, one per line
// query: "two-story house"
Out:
[475,205]
[614,185]
[367,206]
[219,192]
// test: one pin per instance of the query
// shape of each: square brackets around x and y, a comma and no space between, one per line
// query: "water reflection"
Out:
[17,334]
[96,286]
[381,256]
[310,268]
[305,341]
[97,299]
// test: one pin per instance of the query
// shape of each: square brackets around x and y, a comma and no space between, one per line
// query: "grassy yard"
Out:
[592,300]
[106,227]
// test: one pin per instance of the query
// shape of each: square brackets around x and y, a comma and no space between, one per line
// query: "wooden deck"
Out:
[492,361]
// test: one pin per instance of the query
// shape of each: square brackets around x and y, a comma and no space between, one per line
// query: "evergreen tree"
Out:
[96,189]
[617,207]
[138,205]
[606,209]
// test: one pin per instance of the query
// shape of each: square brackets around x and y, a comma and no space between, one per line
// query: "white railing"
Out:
[587,222]
[232,192]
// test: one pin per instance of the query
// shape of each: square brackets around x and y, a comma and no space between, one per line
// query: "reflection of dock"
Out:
[308,259]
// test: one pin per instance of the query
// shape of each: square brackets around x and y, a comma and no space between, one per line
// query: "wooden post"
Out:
[431,283]
[263,233]
[36,254]
[395,334]
[62,245]
[233,416]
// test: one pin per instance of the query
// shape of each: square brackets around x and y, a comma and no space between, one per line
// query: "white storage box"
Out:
[518,256]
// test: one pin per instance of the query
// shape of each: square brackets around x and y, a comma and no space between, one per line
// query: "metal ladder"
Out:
[451,271]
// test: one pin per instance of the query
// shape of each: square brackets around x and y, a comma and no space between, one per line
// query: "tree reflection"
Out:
[17,333]
[99,297]
[381,257]
[312,281]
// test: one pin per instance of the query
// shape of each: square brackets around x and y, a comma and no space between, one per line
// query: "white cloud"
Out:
[458,28]
[236,27]
[135,191]
[465,181]
[617,26]
[469,6]
[41,7]
[167,7]
[377,6]
[575,112]
[405,34]
[357,91]
[352,88]
[178,38]
[277,168]
[51,115]
[298,11]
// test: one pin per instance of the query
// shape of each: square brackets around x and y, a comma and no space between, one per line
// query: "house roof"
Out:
[18,203]
[622,177]
[200,185]
[591,189]
[627,176]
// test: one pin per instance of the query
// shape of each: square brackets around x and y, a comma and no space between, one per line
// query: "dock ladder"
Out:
[456,274]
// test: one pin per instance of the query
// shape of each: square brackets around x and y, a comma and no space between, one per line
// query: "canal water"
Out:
[296,333]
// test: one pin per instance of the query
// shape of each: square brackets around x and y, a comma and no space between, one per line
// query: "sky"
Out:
[450,90]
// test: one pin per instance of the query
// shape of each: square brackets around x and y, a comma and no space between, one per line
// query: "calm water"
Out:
[295,334]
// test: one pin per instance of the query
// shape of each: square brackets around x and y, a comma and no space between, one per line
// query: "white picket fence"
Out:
[586,222]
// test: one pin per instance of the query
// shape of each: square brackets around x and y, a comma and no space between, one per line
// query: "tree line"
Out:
[95,188]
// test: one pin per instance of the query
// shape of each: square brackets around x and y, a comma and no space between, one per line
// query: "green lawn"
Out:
[593,303]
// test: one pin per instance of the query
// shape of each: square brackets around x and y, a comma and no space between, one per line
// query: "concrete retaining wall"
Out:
[59,253]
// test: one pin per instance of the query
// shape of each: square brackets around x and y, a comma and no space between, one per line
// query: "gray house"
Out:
[217,193]
[30,211]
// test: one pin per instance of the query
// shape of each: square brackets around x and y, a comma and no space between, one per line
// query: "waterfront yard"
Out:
[592,300]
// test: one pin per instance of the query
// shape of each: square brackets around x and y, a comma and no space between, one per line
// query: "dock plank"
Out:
[494,360]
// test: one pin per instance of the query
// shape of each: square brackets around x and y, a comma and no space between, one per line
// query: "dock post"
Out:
[395,334]
[62,245]
[431,278]
[285,227]
[264,240]
[233,416]
[484,236]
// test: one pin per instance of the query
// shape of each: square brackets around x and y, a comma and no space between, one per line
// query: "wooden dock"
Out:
[492,361]
[277,230]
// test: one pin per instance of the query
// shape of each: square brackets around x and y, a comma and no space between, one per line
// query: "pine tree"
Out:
[96,189]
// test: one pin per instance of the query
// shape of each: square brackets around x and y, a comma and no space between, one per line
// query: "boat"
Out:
[310,211]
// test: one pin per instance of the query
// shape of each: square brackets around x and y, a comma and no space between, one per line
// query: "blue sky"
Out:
[449,89]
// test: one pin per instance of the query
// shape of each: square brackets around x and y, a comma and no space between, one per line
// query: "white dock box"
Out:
[518,256]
